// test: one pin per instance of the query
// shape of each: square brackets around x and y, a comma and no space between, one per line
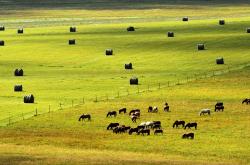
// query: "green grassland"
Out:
[58,73]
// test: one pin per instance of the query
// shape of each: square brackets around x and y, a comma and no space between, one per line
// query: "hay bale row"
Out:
[128,66]
[72,42]
[20,31]
[1,43]
[18,88]
[170,34]
[130,29]
[18,72]
[220,60]
[72,29]
[134,81]
[109,52]
[29,99]
[2,28]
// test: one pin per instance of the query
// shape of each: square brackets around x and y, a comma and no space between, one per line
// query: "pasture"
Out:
[72,77]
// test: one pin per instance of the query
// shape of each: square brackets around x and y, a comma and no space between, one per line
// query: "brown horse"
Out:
[85,116]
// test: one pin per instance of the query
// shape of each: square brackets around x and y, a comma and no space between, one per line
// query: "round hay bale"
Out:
[1,43]
[220,60]
[72,29]
[72,42]
[18,72]
[128,66]
[2,28]
[185,19]
[201,47]
[130,29]
[18,88]
[248,30]
[20,31]
[170,34]
[134,81]
[29,99]
[221,22]
[109,52]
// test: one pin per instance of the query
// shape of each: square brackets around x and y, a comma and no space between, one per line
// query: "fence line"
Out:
[148,88]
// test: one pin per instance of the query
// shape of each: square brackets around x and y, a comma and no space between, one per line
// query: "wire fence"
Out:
[120,94]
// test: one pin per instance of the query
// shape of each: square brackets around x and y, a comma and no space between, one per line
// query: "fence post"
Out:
[36,112]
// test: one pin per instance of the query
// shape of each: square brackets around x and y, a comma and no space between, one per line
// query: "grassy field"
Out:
[57,73]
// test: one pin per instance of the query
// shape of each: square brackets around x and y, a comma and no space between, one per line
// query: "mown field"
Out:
[57,73]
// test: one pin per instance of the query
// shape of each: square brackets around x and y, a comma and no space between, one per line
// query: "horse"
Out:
[119,129]
[112,126]
[179,122]
[133,111]
[219,106]
[152,109]
[132,130]
[85,116]
[111,113]
[189,125]
[144,131]
[205,111]
[247,101]
[123,110]
[188,135]
[158,131]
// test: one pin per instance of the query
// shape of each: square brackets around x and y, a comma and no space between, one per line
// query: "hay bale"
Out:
[72,29]
[185,19]
[20,31]
[170,34]
[109,52]
[72,42]
[201,47]
[220,60]
[128,66]
[134,81]
[248,30]
[221,22]
[1,43]
[2,28]
[29,99]
[130,29]
[18,72]
[18,88]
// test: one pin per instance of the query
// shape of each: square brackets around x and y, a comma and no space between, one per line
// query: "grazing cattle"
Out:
[143,132]
[179,122]
[134,118]
[156,126]
[152,109]
[132,130]
[112,126]
[123,110]
[205,111]
[85,116]
[134,111]
[219,107]
[189,125]
[126,128]
[247,101]
[188,136]
[166,108]
[120,129]
[158,131]
[111,113]
[140,127]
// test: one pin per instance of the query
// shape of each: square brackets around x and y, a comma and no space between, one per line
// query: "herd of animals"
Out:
[145,128]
